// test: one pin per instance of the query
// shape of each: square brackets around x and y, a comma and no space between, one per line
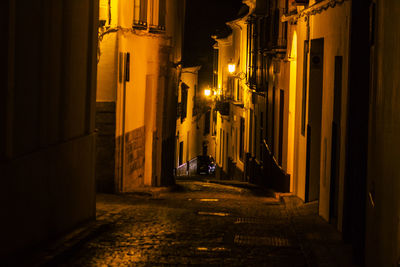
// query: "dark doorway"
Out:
[281,108]
[273,122]
[226,152]
[251,132]
[205,149]
[355,184]
[335,151]
[314,119]
[180,153]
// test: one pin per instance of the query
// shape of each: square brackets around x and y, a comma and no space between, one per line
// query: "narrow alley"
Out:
[200,132]
[204,223]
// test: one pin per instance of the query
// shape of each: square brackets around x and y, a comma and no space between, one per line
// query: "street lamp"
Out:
[231,68]
[232,71]
[207,92]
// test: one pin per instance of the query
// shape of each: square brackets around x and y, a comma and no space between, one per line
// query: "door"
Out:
[281,109]
[335,151]
[314,119]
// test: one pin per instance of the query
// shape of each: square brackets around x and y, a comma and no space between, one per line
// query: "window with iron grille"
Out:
[161,14]
[248,52]
[157,14]
[140,13]
[254,53]
[149,13]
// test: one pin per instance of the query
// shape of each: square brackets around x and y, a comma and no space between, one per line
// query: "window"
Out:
[180,153]
[275,29]
[161,14]
[304,89]
[195,105]
[207,123]
[184,96]
[237,87]
[127,66]
[157,14]
[214,122]
[241,140]
[140,13]
[149,13]
[215,69]
[261,137]
[220,145]
[230,85]
[251,131]
[248,52]
[254,136]
[104,13]
[253,52]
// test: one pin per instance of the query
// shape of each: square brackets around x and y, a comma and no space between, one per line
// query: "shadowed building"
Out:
[47,119]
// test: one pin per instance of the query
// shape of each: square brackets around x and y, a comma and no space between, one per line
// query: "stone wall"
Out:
[134,154]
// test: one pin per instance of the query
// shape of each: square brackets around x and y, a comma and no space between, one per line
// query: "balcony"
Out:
[300,2]
[223,107]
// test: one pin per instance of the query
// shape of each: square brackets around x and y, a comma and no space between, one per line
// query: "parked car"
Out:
[205,165]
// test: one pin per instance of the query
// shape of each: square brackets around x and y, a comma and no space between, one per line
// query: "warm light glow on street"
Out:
[207,92]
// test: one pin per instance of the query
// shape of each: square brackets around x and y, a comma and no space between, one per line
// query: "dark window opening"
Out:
[304,93]
[215,69]
[184,96]
[207,123]
[180,153]
[261,134]
[241,139]
[161,14]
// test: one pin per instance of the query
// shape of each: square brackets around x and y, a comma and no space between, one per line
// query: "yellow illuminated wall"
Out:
[140,102]
[332,25]
[292,107]
[190,131]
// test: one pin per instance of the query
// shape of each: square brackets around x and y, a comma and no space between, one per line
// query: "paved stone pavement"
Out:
[202,223]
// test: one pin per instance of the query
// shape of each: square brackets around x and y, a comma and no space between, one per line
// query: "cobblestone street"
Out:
[204,223]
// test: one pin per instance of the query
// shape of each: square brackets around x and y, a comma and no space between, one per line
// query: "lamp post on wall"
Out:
[207,92]
[232,71]
[231,68]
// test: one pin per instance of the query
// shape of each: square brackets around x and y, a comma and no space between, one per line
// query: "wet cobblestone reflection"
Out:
[200,224]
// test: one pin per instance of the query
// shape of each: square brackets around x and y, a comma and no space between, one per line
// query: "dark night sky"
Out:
[203,18]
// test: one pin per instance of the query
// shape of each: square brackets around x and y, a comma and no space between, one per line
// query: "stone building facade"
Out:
[139,67]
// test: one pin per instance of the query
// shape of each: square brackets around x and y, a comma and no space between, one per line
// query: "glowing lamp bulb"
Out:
[207,92]
[231,68]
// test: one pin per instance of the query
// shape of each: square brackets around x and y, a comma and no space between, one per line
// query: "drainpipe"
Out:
[308,30]
[126,78]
